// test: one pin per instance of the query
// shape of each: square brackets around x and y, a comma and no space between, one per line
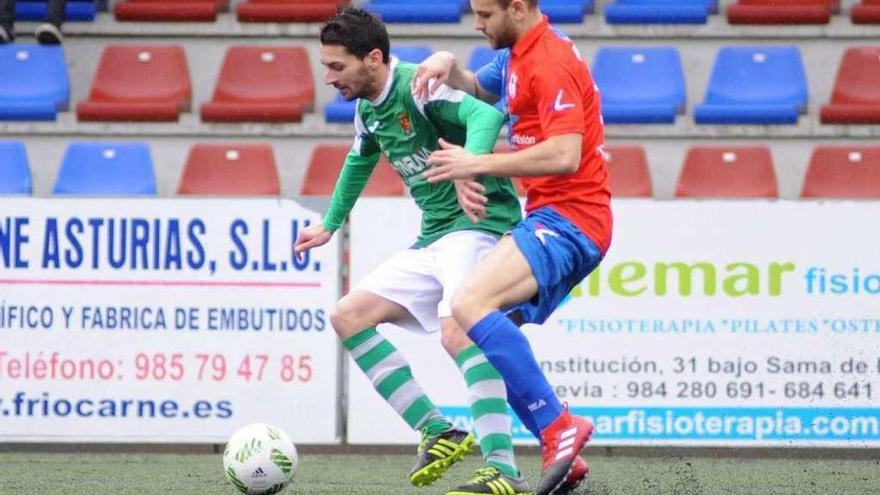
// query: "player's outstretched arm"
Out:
[558,155]
[442,68]
[310,237]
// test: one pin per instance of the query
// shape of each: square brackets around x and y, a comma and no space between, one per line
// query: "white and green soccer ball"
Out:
[259,459]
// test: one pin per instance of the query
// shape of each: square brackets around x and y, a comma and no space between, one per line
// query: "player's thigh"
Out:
[502,278]
[456,257]
[360,309]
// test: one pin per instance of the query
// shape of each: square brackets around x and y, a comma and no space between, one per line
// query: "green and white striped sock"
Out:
[392,378]
[488,400]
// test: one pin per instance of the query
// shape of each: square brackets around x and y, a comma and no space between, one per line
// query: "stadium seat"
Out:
[755,85]
[34,84]
[659,11]
[326,163]
[340,111]
[727,172]
[640,85]
[566,11]
[139,83]
[780,12]
[391,11]
[855,98]
[843,172]
[628,170]
[287,10]
[15,175]
[230,169]
[106,169]
[867,12]
[169,10]
[73,11]
[262,84]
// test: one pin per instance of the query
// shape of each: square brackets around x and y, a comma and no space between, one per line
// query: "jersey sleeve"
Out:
[560,98]
[359,165]
[490,76]
[449,107]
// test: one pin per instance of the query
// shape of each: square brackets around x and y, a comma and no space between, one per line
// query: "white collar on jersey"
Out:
[388,82]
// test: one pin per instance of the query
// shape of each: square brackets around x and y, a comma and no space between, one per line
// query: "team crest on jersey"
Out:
[511,85]
[405,124]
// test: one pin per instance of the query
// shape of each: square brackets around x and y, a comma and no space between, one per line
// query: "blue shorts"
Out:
[560,256]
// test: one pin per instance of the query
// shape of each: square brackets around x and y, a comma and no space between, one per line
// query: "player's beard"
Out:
[363,85]
[505,37]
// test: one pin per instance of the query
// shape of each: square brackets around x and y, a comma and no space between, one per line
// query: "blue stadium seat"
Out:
[640,85]
[35,10]
[443,11]
[106,169]
[566,11]
[34,84]
[660,11]
[340,111]
[755,85]
[15,175]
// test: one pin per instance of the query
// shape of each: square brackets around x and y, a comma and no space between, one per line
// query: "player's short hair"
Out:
[359,31]
[506,3]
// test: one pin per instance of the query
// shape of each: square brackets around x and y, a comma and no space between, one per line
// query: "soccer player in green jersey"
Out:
[460,222]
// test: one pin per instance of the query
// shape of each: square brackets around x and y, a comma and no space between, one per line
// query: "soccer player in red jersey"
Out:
[556,129]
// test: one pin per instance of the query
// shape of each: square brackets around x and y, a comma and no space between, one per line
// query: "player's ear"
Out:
[374,58]
[519,8]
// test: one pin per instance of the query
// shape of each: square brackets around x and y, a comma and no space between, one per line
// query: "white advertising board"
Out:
[708,323]
[163,320]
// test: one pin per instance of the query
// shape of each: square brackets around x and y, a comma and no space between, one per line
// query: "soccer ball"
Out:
[259,459]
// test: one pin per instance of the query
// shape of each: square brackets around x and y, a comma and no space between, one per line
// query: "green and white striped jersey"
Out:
[406,131]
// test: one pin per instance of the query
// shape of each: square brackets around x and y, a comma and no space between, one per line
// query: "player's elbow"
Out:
[570,161]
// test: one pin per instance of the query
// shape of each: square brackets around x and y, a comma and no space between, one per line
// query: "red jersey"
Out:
[550,92]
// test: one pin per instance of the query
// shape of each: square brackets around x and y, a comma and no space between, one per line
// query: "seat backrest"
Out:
[843,172]
[858,78]
[15,175]
[142,73]
[106,169]
[34,72]
[411,53]
[639,75]
[727,172]
[628,171]
[758,75]
[266,74]
[230,169]
[326,163]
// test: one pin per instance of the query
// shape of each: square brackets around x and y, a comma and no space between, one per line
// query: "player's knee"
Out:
[345,318]
[464,306]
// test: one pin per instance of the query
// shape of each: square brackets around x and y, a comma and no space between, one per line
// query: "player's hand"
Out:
[471,199]
[451,162]
[431,73]
[309,237]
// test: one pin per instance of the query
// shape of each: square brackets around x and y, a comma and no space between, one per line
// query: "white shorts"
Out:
[424,280]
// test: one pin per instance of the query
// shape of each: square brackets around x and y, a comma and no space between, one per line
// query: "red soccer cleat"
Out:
[580,469]
[561,443]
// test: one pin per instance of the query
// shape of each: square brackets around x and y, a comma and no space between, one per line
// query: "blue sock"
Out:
[507,349]
[522,411]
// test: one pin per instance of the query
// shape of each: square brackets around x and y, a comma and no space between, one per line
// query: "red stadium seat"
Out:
[855,98]
[230,169]
[727,172]
[843,172]
[169,10]
[628,170]
[139,83]
[287,10]
[326,163]
[781,12]
[867,12]
[262,84]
